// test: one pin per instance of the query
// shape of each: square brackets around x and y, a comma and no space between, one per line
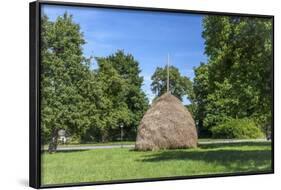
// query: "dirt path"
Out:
[90,147]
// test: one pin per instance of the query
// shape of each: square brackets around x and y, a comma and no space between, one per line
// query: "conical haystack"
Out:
[166,125]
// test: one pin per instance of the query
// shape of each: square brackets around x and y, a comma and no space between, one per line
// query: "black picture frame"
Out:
[34,97]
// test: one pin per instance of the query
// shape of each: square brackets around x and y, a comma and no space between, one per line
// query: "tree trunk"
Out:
[104,135]
[54,141]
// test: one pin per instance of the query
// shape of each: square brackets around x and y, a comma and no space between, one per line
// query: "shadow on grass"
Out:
[232,159]
[220,145]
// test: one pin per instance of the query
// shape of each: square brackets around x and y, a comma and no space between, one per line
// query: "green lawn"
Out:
[123,163]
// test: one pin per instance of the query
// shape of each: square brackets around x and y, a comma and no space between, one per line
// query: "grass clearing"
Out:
[123,163]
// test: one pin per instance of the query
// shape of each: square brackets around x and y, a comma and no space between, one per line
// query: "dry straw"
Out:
[166,125]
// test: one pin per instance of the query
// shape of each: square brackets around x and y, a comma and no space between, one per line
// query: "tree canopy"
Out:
[236,80]
[179,85]
[63,70]
[89,104]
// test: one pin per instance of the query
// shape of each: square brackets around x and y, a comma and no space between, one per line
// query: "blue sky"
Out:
[148,36]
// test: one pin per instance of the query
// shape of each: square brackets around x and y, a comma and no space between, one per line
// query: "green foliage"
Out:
[199,98]
[237,128]
[63,71]
[179,85]
[128,69]
[88,104]
[92,104]
[126,102]
[236,81]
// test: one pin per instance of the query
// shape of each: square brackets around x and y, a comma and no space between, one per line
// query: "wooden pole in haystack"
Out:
[168,73]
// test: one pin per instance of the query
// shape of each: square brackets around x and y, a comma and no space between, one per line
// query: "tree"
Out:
[120,75]
[199,98]
[135,98]
[88,104]
[114,86]
[64,69]
[239,51]
[179,85]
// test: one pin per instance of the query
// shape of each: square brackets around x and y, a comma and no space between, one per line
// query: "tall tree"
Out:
[239,51]
[130,95]
[178,85]
[64,69]
[82,101]
[199,98]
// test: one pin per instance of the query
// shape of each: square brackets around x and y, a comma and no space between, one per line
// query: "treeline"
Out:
[90,104]
[234,86]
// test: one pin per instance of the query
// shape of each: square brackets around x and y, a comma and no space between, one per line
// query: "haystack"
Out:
[166,125]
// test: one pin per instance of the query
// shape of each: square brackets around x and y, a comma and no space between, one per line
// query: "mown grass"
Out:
[123,163]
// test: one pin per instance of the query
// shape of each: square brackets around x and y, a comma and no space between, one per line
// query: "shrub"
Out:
[237,128]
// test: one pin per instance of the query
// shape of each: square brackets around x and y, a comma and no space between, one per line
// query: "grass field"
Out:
[123,163]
